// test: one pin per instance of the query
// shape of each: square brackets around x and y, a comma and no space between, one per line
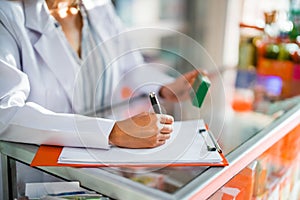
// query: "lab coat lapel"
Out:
[58,60]
[98,19]
[113,43]
[48,46]
[36,16]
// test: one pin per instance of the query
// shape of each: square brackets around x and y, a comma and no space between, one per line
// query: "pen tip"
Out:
[152,94]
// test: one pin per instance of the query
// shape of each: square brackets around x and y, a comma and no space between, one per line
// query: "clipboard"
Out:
[47,156]
[186,147]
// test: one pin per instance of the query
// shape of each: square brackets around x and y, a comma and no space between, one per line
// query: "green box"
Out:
[200,89]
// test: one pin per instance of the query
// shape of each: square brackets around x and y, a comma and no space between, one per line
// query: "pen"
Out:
[209,148]
[214,141]
[155,104]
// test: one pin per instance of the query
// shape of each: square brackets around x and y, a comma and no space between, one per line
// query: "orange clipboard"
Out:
[47,156]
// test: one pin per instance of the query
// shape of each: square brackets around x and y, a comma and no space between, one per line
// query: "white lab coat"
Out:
[37,75]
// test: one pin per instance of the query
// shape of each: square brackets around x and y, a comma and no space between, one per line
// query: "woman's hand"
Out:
[179,90]
[145,130]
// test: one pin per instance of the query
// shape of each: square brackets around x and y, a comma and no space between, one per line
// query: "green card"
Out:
[200,89]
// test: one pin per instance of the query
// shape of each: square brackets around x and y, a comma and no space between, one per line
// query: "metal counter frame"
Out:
[118,187]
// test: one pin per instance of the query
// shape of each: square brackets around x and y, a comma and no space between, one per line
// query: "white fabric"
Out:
[38,75]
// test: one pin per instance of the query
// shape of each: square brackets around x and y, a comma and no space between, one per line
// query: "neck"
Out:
[61,4]
[63,8]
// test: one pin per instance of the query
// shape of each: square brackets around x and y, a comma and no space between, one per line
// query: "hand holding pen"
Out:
[145,130]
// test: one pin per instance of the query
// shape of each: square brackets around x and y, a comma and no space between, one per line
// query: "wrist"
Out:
[161,92]
[113,136]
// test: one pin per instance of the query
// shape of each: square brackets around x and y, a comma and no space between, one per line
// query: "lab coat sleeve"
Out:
[27,122]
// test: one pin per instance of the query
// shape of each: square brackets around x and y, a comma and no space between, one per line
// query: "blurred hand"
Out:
[179,90]
[145,130]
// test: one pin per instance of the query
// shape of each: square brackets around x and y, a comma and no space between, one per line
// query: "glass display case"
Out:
[244,137]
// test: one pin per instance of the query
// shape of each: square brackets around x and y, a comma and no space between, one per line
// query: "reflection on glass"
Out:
[238,129]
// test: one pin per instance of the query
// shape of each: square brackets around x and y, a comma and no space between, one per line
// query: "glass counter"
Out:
[243,136]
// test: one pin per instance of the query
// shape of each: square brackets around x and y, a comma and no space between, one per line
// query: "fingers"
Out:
[191,75]
[165,123]
[162,137]
[165,119]
[167,128]
[160,142]
[198,71]
[204,72]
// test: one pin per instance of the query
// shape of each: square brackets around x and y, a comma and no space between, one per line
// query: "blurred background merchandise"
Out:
[259,38]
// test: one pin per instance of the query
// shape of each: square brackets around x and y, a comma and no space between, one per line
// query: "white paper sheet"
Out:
[186,145]
[38,190]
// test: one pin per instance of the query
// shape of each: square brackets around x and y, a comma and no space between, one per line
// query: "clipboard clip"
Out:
[209,147]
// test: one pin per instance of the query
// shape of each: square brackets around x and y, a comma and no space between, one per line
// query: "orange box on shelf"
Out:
[286,91]
[296,80]
[225,193]
[275,161]
[295,87]
[283,69]
[244,182]
[280,185]
[291,146]
[240,187]
[296,72]
[262,172]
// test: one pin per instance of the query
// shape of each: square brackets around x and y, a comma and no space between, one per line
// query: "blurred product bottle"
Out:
[247,49]
[246,73]
[275,57]
[269,61]
[294,16]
